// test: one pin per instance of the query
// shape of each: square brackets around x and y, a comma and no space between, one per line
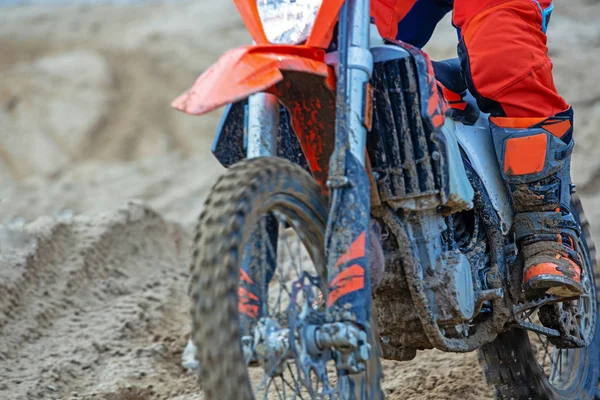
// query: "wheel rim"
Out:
[278,362]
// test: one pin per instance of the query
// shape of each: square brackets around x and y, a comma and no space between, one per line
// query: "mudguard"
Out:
[297,75]
[247,70]
[306,131]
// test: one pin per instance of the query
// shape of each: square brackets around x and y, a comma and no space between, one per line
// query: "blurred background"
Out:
[93,286]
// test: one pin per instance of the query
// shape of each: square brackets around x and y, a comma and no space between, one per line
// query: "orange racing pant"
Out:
[502,47]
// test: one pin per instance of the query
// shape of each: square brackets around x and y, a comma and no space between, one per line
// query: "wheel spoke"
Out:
[265,285]
[529,313]
[296,383]
[277,389]
[267,388]
[263,382]
[545,343]
[283,387]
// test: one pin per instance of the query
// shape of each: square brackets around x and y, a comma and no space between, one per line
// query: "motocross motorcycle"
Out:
[343,157]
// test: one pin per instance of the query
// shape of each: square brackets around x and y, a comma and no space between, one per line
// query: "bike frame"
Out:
[330,115]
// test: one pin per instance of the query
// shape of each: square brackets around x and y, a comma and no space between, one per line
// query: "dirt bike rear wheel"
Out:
[512,362]
[249,195]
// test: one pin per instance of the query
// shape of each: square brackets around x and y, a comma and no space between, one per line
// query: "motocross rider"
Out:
[505,63]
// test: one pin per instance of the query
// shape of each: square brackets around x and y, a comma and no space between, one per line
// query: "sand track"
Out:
[87,304]
[95,308]
[95,305]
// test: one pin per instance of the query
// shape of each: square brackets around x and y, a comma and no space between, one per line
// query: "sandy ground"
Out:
[93,286]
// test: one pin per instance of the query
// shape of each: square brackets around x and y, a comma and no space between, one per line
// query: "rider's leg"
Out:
[505,60]
[411,21]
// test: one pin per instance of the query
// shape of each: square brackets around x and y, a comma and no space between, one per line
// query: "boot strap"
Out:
[545,223]
[565,152]
[563,248]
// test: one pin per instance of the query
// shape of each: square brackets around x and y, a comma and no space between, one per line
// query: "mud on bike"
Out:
[332,144]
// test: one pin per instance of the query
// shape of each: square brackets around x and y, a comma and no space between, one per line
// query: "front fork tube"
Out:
[347,237]
[347,245]
[359,69]
[262,125]
[260,255]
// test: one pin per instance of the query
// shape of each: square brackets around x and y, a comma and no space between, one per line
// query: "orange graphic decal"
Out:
[438,120]
[459,105]
[349,280]
[356,250]
[525,155]
[244,305]
[449,94]
[557,128]
[245,278]
[434,101]
[518,123]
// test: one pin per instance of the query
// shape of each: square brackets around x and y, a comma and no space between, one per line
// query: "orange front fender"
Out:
[247,70]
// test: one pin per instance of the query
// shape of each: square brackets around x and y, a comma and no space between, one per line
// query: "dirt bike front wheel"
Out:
[258,288]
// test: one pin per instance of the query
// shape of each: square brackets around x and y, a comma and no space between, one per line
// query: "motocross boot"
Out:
[535,162]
